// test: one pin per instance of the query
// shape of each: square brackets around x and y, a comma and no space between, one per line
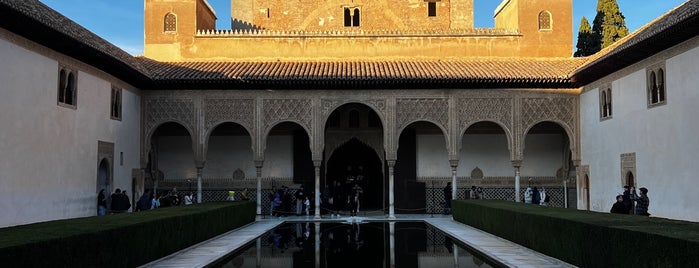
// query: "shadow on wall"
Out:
[243,25]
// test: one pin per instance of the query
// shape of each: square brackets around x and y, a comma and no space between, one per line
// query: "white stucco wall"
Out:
[48,153]
[542,157]
[225,155]
[664,138]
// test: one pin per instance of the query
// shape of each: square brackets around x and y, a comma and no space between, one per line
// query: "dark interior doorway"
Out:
[356,159]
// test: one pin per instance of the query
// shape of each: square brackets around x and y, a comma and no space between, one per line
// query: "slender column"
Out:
[258,167]
[317,241]
[392,243]
[517,164]
[565,192]
[258,243]
[391,209]
[199,171]
[454,164]
[316,201]
[456,256]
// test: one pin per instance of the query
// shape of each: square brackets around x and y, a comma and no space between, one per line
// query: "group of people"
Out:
[625,202]
[474,193]
[119,202]
[534,196]
[346,194]
[281,202]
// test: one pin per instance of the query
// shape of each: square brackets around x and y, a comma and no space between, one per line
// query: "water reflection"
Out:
[402,244]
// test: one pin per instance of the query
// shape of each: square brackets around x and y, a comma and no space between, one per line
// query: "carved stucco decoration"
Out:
[562,110]
[328,106]
[373,139]
[297,110]
[435,110]
[240,111]
[473,110]
[476,173]
[159,111]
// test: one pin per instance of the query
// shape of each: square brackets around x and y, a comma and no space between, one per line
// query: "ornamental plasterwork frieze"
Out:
[429,109]
[535,110]
[299,110]
[240,111]
[473,110]
[164,110]
[328,106]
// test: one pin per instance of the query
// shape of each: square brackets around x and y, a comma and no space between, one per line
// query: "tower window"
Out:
[352,17]
[431,9]
[170,24]
[544,20]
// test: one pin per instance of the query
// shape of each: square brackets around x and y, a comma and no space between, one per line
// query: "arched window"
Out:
[544,20]
[62,86]
[661,85]
[655,84]
[431,9]
[604,104]
[170,23]
[116,104]
[609,102]
[352,17]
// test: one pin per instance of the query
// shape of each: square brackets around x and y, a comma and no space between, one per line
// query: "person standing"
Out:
[447,198]
[628,202]
[536,196]
[642,202]
[528,195]
[300,196]
[188,199]
[101,203]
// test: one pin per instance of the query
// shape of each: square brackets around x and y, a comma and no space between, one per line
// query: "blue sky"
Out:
[121,22]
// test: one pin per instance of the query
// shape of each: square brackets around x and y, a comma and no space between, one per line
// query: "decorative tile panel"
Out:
[164,110]
[234,110]
[276,110]
[429,109]
[472,110]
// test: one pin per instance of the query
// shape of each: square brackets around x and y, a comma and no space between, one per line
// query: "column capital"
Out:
[516,163]
[317,163]
[391,163]
[577,162]
[454,163]
[199,164]
[258,163]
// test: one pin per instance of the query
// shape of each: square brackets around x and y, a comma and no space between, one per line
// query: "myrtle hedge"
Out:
[119,240]
[584,238]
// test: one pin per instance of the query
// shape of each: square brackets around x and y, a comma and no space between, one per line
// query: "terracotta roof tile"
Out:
[539,72]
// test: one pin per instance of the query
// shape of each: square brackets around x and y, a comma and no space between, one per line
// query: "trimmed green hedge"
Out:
[119,240]
[584,238]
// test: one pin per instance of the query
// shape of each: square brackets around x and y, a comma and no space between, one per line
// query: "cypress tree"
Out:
[609,24]
[585,40]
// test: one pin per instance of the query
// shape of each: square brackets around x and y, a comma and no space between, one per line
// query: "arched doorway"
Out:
[485,153]
[356,163]
[104,177]
[354,149]
[547,162]
[171,156]
[630,180]
[229,150]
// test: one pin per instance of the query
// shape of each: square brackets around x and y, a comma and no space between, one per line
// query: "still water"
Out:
[366,245]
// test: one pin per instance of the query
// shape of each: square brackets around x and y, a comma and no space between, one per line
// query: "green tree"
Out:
[609,24]
[586,42]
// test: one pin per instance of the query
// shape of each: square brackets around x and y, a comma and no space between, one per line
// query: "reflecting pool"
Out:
[361,245]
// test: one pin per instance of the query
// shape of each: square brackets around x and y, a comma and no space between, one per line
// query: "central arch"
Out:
[354,154]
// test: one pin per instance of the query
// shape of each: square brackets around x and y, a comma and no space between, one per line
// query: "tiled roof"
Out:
[672,28]
[39,23]
[463,73]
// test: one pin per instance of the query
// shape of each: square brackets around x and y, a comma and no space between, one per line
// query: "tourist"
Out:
[642,202]
[271,200]
[277,202]
[144,202]
[188,199]
[479,193]
[354,199]
[101,204]
[536,196]
[528,195]
[300,196]
[627,199]
[307,204]
[447,198]
[286,201]
[155,202]
[120,202]
[165,200]
[473,194]
[619,207]
[544,197]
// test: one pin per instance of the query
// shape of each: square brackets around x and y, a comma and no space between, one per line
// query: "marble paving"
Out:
[493,247]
